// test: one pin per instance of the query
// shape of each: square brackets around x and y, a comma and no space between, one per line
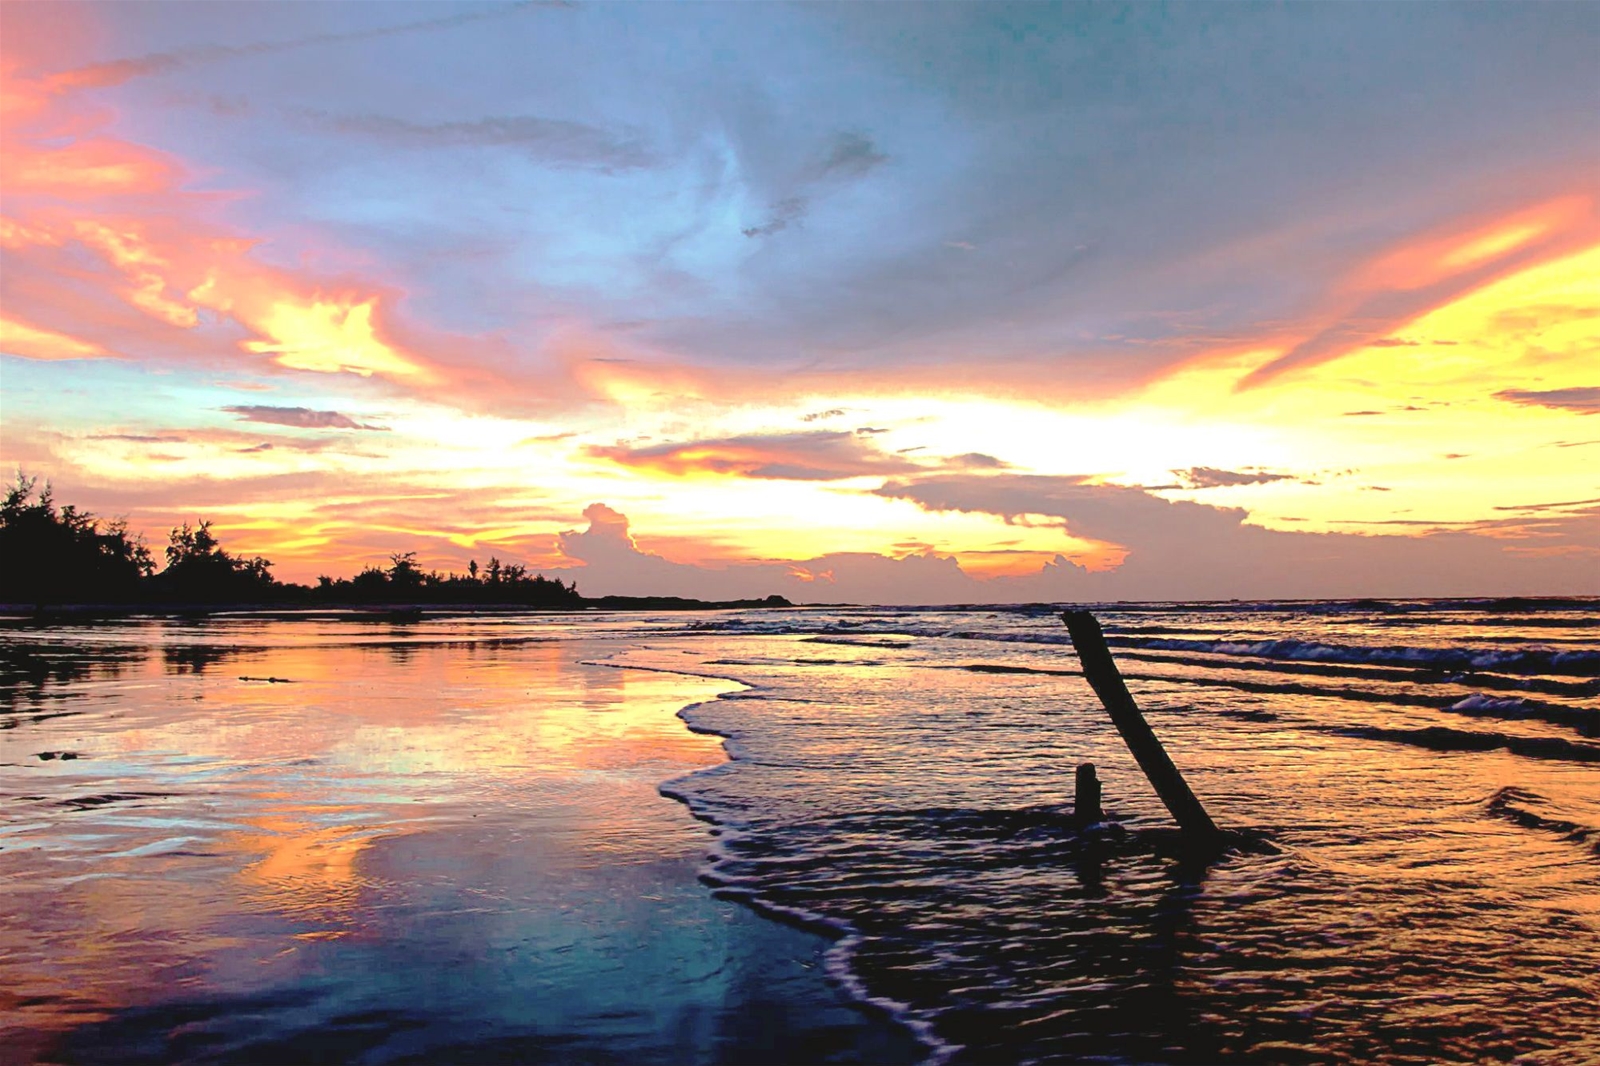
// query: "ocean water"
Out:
[337,840]
[1423,778]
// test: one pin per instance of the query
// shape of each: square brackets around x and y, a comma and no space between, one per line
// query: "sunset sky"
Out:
[873,302]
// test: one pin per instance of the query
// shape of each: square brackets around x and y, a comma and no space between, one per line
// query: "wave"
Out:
[899,645]
[1582,663]
[1545,685]
[735,873]
[1554,656]
[1502,605]
[1443,738]
[1585,719]
[1515,805]
[1563,620]
[964,901]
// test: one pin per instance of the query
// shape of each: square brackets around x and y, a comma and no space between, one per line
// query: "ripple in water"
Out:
[1435,896]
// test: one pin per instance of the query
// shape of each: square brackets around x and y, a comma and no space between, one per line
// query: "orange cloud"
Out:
[147,288]
[172,261]
[990,564]
[1450,251]
[15,235]
[31,342]
[49,148]
[86,169]
[1424,273]
[173,271]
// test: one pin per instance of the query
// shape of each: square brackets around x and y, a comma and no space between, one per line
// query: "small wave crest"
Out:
[937,849]
[1443,738]
[1581,663]
[1585,719]
[1519,806]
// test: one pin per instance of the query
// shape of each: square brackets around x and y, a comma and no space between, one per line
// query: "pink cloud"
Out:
[108,253]
[612,563]
[1185,550]
[298,417]
[809,456]
[1429,271]
[1583,401]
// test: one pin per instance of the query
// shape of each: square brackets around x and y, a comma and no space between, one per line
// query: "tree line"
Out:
[61,555]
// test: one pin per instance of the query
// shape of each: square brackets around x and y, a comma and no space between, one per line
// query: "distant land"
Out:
[55,558]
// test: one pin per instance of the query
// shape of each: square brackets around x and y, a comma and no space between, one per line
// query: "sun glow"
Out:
[330,336]
[1375,367]
[1414,428]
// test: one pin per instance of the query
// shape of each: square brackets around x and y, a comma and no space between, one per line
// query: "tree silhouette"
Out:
[371,585]
[65,556]
[199,571]
[404,582]
[61,556]
[403,573]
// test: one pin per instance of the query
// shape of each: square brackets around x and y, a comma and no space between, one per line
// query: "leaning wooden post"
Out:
[1102,673]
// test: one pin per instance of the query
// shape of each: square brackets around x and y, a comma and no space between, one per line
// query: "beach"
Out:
[827,834]
[339,841]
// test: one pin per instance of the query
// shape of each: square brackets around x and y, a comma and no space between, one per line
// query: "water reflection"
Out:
[381,852]
[193,658]
[457,851]
[1431,902]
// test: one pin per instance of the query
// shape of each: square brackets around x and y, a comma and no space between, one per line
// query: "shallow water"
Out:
[302,862]
[1428,773]
[334,841]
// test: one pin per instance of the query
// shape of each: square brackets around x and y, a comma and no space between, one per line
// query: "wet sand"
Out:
[410,845]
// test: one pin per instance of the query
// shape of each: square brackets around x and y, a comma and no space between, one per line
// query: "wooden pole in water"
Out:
[1107,683]
[1086,797]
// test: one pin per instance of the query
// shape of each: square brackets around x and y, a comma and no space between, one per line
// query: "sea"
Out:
[830,834]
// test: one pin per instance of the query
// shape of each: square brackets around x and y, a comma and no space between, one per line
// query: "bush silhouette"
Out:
[66,555]
[199,571]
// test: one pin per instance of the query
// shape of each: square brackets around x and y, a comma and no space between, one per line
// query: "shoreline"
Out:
[840,939]
[831,943]
[438,843]
[408,611]
[481,863]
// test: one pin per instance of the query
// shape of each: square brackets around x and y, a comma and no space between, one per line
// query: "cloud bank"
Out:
[1176,551]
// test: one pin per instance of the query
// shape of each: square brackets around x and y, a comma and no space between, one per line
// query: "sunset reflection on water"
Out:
[293,821]
[445,840]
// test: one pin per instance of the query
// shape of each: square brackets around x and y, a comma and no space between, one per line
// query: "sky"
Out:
[910,303]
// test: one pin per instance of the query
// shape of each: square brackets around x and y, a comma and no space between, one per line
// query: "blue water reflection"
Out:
[453,853]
